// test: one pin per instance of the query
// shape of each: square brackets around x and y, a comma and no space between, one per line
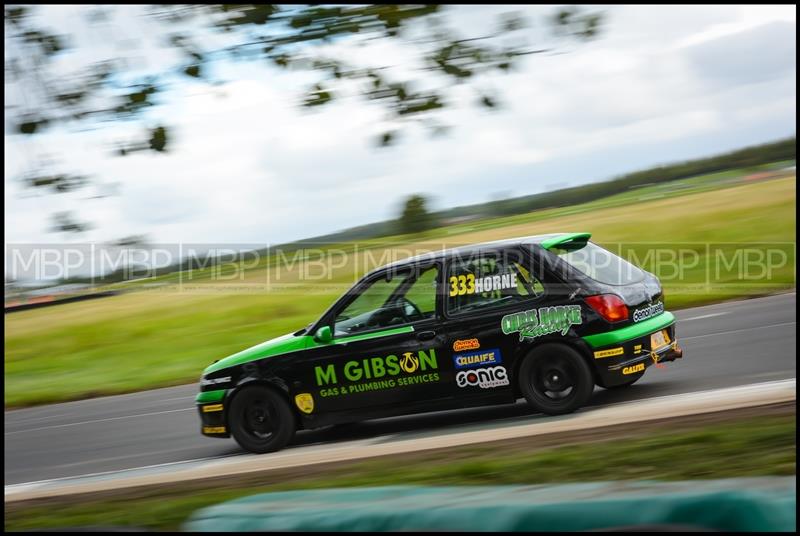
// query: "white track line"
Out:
[736,330]
[703,316]
[99,420]
[37,483]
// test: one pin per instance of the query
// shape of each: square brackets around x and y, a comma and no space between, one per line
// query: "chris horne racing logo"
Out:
[533,323]
[648,312]
[485,378]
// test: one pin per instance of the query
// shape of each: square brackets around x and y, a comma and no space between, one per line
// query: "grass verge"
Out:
[735,447]
[167,336]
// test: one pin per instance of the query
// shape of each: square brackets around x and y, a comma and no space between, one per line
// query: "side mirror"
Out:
[324,335]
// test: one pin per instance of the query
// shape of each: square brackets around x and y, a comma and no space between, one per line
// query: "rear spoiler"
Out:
[568,242]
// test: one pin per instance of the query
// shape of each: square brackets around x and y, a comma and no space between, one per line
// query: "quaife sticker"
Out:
[485,378]
[543,321]
[648,312]
[477,359]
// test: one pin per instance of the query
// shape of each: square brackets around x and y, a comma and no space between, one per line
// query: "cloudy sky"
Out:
[661,84]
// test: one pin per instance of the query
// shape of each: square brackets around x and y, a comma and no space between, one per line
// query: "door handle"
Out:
[426,335]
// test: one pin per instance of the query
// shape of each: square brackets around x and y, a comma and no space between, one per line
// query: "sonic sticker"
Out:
[485,378]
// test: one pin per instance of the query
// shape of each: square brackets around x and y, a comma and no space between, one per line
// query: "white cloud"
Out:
[251,166]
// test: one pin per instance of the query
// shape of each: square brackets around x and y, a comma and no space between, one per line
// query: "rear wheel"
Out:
[555,379]
[261,420]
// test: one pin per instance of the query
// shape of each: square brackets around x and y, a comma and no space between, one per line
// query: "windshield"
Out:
[601,265]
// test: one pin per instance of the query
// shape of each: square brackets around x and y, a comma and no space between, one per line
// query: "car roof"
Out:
[467,250]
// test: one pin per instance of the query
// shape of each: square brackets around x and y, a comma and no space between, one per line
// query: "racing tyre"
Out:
[555,379]
[261,420]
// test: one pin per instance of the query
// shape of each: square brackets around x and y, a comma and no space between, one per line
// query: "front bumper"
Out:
[212,411]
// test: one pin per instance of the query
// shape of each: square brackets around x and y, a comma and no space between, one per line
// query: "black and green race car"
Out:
[543,317]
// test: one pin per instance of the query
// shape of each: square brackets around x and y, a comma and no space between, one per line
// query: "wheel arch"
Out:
[273,384]
[576,343]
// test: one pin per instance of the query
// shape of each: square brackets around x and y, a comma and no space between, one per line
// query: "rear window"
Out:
[601,265]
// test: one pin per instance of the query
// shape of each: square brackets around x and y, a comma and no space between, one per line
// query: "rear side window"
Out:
[489,280]
[601,265]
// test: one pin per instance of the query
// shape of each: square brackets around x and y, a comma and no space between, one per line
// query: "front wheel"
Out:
[555,379]
[261,420]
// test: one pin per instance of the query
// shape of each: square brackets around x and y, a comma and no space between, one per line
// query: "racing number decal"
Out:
[460,285]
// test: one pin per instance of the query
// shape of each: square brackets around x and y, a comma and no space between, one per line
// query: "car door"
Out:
[386,350]
[482,288]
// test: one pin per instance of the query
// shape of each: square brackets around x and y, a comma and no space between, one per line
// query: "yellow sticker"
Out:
[409,362]
[637,348]
[213,429]
[305,402]
[609,353]
[634,369]
[212,407]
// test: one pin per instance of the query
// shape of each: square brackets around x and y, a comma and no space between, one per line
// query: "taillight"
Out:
[609,306]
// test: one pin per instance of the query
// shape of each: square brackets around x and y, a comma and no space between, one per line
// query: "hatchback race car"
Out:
[542,317]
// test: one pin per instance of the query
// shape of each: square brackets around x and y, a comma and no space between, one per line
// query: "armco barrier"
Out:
[744,504]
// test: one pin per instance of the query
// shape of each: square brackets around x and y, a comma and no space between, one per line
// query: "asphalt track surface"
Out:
[725,345]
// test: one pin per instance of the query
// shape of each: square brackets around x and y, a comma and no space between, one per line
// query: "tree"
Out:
[111,88]
[415,217]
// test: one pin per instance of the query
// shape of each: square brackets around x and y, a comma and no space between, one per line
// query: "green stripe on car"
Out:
[618,336]
[207,397]
[375,335]
[290,343]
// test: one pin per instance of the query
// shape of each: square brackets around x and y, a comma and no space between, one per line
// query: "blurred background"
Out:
[221,173]
[257,152]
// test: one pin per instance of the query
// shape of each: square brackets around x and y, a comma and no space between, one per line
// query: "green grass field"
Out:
[763,446]
[167,335]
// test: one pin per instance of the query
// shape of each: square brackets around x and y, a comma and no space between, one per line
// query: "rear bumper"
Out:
[618,363]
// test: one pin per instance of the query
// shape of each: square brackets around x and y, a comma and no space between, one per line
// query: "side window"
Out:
[489,280]
[405,298]
[422,292]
